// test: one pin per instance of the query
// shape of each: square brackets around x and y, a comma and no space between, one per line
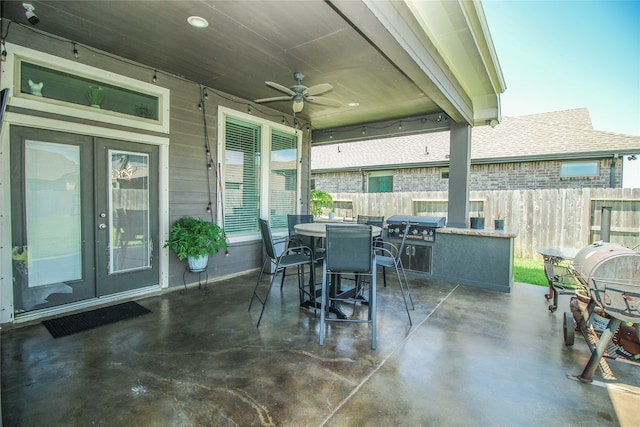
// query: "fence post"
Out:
[605,224]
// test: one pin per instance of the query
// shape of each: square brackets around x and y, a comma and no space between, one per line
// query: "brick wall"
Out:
[496,176]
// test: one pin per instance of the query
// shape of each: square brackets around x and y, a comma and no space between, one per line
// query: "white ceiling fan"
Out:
[300,93]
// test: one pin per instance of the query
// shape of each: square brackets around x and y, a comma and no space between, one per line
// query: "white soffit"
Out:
[459,32]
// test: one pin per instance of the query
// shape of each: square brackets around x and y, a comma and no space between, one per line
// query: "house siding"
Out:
[191,184]
[496,176]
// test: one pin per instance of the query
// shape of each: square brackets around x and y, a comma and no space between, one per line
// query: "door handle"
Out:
[102,226]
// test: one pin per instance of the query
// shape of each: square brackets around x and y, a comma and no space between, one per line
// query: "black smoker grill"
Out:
[422,227]
[611,273]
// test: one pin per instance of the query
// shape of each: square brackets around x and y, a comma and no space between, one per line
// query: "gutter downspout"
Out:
[612,177]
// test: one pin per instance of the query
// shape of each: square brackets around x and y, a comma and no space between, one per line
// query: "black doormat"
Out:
[79,322]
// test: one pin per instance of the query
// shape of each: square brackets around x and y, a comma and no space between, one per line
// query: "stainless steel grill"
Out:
[421,228]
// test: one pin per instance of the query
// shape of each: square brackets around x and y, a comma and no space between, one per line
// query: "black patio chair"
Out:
[378,221]
[296,239]
[389,255]
[300,240]
[349,250]
[295,256]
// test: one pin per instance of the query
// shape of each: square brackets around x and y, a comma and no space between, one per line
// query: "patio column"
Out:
[459,171]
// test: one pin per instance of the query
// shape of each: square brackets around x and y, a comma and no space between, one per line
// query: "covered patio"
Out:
[472,357]
[389,68]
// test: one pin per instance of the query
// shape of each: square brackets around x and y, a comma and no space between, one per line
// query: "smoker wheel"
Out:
[568,328]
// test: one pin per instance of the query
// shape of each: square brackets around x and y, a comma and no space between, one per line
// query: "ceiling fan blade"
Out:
[281,88]
[273,98]
[318,89]
[323,101]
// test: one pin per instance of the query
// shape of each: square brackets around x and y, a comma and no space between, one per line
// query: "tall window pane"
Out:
[130,247]
[283,180]
[242,173]
[52,186]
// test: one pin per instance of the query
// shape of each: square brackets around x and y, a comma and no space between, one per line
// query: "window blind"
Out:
[242,176]
[283,179]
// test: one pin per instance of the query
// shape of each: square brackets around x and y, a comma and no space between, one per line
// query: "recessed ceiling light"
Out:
[354,104]
[197,21]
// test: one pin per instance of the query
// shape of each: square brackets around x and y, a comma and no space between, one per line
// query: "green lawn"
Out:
[529,271]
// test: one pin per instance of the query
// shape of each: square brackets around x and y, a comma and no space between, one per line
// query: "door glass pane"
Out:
[53,217]
[129,243]
[283,179]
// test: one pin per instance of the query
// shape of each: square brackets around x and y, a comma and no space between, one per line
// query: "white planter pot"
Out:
[198,263]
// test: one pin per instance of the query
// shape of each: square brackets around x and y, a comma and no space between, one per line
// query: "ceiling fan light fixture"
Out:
[298,104]
[198,22]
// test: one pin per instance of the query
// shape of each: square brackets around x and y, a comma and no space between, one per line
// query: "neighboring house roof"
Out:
[577,118]
[555,135]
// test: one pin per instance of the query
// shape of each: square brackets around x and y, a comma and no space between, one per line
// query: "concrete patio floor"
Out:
[472,358]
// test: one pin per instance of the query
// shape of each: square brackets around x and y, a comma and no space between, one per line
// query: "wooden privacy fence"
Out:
[562,218]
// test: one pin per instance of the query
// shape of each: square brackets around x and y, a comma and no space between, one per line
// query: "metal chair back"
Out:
[296,256]
[349,248]
[402,243]
[267,238]
[378,221]
[292,221]
[390,256]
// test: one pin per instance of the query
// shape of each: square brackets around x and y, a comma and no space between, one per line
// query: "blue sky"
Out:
[558,55]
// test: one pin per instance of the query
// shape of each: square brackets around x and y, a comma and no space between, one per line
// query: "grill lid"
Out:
[603,260]
[425,221]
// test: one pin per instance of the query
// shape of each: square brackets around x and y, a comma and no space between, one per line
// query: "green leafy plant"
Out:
[195,237]
[320,200]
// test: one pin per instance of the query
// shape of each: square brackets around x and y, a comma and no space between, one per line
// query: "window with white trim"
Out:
[257,185]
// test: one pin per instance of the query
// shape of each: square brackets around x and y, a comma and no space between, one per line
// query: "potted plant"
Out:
[477,222]
[499,222]
[196,239]
[320,200]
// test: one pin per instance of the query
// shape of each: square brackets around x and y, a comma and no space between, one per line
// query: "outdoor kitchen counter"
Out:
[477,232]
[473,257]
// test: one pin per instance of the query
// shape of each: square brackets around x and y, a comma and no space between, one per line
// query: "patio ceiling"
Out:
[394,59]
